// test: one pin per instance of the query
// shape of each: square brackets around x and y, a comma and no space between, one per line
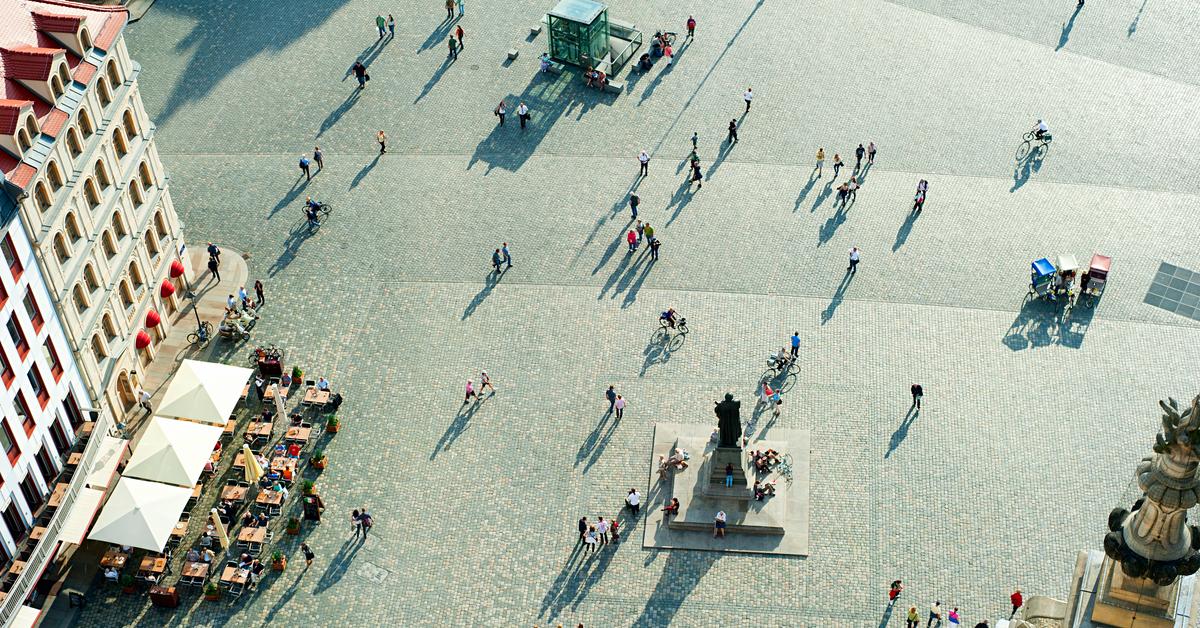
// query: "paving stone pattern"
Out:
[1031,427]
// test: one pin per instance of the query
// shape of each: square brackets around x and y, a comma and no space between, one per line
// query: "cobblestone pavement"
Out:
[1031,429]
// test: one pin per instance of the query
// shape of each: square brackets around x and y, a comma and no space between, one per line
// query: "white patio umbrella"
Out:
[204,391]
[173,451]
[222,535]
[280,397]
[254,471]
[140,514]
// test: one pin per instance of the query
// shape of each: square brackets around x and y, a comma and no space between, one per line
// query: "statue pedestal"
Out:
[776,525]
[1101,595]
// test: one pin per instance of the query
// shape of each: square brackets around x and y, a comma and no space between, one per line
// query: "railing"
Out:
[624,32]
[41,553]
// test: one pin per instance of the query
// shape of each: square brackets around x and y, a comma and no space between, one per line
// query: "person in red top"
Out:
[1017,602]
[691,25]
[894,591]
[293,451]
[631,238]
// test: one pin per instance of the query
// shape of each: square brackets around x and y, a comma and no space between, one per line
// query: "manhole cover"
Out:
[373,572]
[475,67]
[1176,290]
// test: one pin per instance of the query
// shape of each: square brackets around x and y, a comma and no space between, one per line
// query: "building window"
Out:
[120,143]
[54,176]
[12,517]
[23,413]
[89,275]
[85,39]
[151,244]
[56,367]
[72,409]
[10,257]
[31,308]
[56,87]
[103,92]
[98,350]
[45,463]
[7,375]
[33,495]
[147,177]
[24,142]
[110,329]
[38,386]
[126,294]
[61,250]
[43,198]
[85,123]
[91,194]
[102,174]
[73,230]
[58,435]
[81,300]
[135,273]
[129,125]
[73,144]
[118,224]
[114,76]
[160,225]
[135,194]
[17,335]
[9,443]
[110,245]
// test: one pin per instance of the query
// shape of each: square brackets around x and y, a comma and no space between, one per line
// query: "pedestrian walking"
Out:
[611,396]
[837,164]
[795,344]
[589,540]
[360,73]
[614,527]
[449,9]
[381,137]
[820,169]
[919,199]
[852,189]
[732,139]
[214,252]
[871,153]
[355,523]
[308,555]
[501,109]
[894,592]
[777,398]
[458,34]
[858,155]
[935,614]
[729,475]
[748,96]
[640,229]
[691,26]
[304,168]
[470,392]
[1017,602]
[583,528]
[391,24]
[632,239]
[144,399]
[258,291]
[695,141]
[644,160]
[913,620]
[381,24]
[634,200]
[497,259]
[855,256]
[719,524]
[507,256]
[461,9]
[697,178]
[485,381]
[367,522]
[917,393]
[602,531]
[649,231]
[955,620]
[620,406]
[842,191]
[634,499]
[654,244]
[523,114]
[212,268]
[453,46]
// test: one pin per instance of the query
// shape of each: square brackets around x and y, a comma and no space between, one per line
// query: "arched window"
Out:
[120,143]
[54,176]
[24,142]
[31,127]
[160,225]
[103,92]
[56,87]
[73,143]
[102,174]
[85,39]
[91,194]
[89,276]
[114,76]
[151,244]
[61,249]
[110,328]
[135,273]
[81,300]
[85,123]
[110,245]
[73,230]
[135,193]
[118,224]
[130,126]
[42,196]
[98,350]
[126,294]
[64,75]
[147,176]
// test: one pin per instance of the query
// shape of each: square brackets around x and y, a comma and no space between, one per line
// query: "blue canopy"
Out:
[1043,267]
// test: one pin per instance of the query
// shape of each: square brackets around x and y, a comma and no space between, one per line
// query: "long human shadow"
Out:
[831,224]
[291,247]
[902,430]
[657,351]
[679,200]
[609,251]
[1026,167]
[1066,31]
[617,206]
[905,229]
[372,52]
[224,36]
[548,99]
[838,296]
[631,293]
[726,148]
[338,565]
[362,174]
[826,190]
[489,283]
[653,85]
[682,573]
[439,34]
[808,186]
[433,80]
[1133,26]
[594,445]
[621,267]
[298,187]
[336,115]
[462,420]
[579,575]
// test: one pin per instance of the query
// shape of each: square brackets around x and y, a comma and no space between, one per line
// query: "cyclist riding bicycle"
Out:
[310,211]
[1040,130]
[669,316]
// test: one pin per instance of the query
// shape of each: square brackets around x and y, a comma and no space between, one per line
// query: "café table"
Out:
[314,396]
[113,558]
[17,567]
[74,459]
[233,575]
[180,529]
[37,533]
[60,491]
[260,430]
[298,434]
[152,565]
[194,571]
[234,493]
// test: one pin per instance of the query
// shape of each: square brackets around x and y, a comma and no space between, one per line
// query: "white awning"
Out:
[83,511]
[173,451]
[140,514]
[204,391]
[26,617]
[107,459]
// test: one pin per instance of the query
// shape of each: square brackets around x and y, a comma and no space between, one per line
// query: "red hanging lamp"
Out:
[142,340]
[166,289]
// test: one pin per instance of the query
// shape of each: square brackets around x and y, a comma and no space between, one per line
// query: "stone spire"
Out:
[1154,540]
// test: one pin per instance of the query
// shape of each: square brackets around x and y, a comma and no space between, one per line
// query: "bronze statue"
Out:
[729,421]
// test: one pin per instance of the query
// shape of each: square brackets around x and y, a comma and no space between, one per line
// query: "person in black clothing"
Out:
[917,393]
[732,132]
[858,155]
[583,528]
[212,268]
[360,73]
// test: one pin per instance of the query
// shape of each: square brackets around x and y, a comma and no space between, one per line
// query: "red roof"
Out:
[28,63]
[84,72]
[10,114]
[22,176]
[54,123]
[56,22]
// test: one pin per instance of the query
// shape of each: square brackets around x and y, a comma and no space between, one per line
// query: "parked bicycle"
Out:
[269,352]
[202,334]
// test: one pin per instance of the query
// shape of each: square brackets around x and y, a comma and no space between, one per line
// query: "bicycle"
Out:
[680,325]
[784,467]
[270,352]
[787,365]
[202,334]
[1029,140]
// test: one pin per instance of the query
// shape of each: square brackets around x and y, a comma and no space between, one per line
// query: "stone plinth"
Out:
[1102,596]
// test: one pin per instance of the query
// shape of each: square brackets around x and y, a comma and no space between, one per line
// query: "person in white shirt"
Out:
[644,159]
[634,499]
[523,114]
[112,574]
[144,400]
[322,384]
[1041,129]
[602,531]
[854,258]
[748,96]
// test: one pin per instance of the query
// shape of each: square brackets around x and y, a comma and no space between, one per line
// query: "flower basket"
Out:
[212,593]
[332,424]
[309,488]
[318,460]
[278,561]
[293,526]
[127,583]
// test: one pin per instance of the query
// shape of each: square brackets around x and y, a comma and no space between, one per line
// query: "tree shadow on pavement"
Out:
[905,229]
[462,421]
[489,283]
[902,431]
[682,573]
[838,296]
[593,446]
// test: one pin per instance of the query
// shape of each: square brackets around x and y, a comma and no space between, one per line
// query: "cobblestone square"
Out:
[1031,428]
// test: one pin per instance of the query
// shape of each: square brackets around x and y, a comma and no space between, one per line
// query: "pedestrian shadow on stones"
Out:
[1068,26]
[337,114]
[593,446]
[578,576]
[291,246]
[831,224]
[298,188]
[339,564]
[433,80]
[1133,26]
[462,421]
[362,174]
[887,615]
[838,296]
[621,276]
[489,283]
[808,186]
[653,85]
[281,602]
[631,293]
[826,190]
[1026,167]
[616,208]
[680,199]
[905,229]
[902,431]
[369,54]
[682,573]
[439,34]
[507,147]
[609,251]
